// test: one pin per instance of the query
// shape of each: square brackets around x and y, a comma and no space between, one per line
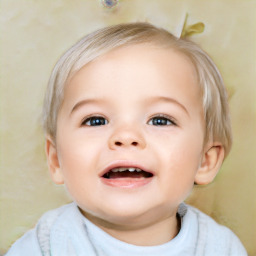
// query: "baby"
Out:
[133,117]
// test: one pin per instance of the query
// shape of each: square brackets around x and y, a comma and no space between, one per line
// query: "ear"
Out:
[53,161]
[211,162]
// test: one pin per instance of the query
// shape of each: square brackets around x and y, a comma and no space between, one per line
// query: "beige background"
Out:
[33,35]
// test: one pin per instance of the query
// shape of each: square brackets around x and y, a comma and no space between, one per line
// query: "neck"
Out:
[152,234]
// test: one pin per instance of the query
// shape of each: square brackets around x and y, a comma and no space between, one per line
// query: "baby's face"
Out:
[130,134]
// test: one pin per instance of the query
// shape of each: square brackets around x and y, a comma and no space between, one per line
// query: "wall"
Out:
[35,33]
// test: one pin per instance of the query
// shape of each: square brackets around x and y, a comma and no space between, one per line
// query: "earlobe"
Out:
[210,165]
[53,161]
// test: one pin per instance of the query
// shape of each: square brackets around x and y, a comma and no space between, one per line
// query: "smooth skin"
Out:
[137,105]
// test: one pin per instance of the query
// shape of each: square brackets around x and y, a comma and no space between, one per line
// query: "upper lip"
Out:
[124,163]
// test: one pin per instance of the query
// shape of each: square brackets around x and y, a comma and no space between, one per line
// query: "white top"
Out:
[66,232]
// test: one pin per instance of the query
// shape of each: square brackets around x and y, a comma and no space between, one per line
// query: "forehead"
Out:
[144,68]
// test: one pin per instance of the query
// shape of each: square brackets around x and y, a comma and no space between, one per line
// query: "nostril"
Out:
[118,143]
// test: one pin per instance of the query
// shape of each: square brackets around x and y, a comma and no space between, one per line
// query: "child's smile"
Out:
[130,136]
[126,175]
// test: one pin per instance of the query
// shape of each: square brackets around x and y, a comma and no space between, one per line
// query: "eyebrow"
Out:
[85,102]
[169,100]
[154,99]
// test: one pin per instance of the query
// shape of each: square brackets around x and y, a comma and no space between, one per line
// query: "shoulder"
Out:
[26,245]
[213,237]
[36,241]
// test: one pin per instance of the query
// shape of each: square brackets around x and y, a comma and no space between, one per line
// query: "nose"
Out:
[127,138]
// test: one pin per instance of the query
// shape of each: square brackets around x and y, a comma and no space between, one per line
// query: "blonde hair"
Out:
[215,104]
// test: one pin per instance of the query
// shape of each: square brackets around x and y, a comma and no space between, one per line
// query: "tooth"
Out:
[122,169]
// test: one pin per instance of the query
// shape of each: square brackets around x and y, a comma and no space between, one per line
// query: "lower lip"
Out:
[127,182]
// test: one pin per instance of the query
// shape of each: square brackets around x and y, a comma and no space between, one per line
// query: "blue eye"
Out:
[161,121]
[95,121]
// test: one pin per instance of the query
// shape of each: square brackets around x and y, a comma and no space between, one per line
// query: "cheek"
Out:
[179,177]
[76,167]
[181,147]
[182,164]
[79,158]
[79,148]
[180,159]
[73,162]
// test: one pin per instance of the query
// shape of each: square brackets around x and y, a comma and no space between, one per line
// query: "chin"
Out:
[122,215]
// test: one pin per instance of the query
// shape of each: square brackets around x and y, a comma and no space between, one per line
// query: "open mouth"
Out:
[125,175]
[127,172]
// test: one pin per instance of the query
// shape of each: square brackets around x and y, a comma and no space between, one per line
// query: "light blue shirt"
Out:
[66,232]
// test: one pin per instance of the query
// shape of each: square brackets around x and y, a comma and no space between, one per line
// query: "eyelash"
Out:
[98,119]
[158,120]
[168,121]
